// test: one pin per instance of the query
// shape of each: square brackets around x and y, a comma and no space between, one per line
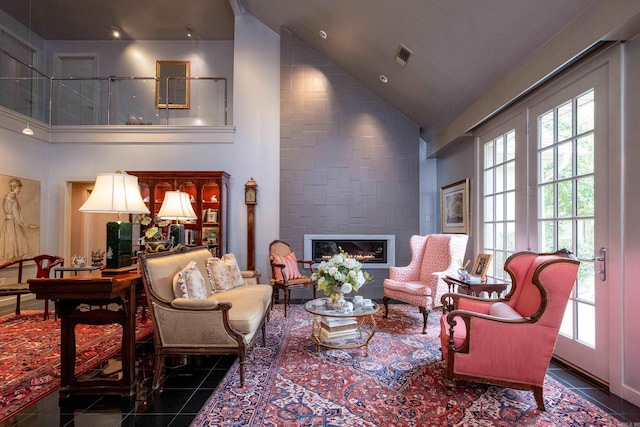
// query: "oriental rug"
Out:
[400,384]
[30,355]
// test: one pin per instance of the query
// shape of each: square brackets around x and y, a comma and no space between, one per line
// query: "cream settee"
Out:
[221,322]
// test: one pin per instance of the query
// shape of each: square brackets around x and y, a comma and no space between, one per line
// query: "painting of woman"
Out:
[13,238]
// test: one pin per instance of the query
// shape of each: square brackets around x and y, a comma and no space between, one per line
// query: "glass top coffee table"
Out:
[334,327]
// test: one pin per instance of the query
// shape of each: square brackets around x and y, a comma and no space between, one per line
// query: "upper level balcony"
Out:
[80,109]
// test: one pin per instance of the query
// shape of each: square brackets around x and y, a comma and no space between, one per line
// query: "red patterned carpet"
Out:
[399,384]
[30,355]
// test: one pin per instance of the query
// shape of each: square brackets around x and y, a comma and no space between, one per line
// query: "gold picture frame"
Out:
[454,208]
[172,84]
[481,266]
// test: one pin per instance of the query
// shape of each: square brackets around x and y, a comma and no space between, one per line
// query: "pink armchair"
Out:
[509,342]
[433,257]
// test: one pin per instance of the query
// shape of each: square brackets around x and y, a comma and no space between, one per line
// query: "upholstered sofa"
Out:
[218,321]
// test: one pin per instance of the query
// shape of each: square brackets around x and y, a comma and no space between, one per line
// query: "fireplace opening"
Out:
[373,251]
[365,251]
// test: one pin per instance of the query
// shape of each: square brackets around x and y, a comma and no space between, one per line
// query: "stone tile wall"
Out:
[348,160]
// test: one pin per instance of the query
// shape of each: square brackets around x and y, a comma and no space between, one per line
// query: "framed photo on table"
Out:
[481,266]
[454,208]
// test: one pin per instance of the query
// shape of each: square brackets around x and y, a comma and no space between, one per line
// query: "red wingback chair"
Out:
[509,341]
[420,283]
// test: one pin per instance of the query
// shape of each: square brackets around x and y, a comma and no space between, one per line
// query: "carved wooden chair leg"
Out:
[425,315]
[385,301]
[158,371]
[537,393]
[242,369]
[264,334]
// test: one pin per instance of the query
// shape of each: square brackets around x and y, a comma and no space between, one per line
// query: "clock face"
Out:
[250,195]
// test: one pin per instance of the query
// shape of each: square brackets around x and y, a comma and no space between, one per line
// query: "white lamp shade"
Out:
[115,192]
[176,205]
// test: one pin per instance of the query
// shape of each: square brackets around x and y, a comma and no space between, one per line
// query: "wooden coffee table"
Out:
[322,307]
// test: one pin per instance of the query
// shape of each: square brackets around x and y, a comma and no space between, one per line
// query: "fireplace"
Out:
[373,251]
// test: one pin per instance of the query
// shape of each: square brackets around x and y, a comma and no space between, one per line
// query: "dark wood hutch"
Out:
[209,197]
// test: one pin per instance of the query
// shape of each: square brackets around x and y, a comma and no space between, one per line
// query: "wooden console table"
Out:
[69,294]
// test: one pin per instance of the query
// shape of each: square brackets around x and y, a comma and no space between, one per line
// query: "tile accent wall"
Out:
[348,160]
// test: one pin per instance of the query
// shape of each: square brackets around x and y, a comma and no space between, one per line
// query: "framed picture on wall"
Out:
[20,222]
[172,84]
[454,208]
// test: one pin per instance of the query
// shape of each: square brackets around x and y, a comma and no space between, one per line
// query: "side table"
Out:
[475,289]
[74,270]
[70,294]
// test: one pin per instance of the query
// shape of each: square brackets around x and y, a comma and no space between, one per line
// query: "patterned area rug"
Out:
[30,355]
[399,384]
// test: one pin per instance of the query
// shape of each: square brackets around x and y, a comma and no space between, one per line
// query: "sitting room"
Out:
[296,129]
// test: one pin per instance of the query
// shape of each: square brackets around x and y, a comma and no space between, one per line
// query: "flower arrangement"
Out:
[340,274]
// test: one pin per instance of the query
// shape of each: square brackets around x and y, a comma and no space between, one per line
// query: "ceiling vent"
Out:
[403,54]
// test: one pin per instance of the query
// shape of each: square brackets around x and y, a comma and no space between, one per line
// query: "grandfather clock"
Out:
[250,199]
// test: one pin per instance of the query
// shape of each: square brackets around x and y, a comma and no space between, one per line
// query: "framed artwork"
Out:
[481,266]
[19,229]
[172,84]
[454,208]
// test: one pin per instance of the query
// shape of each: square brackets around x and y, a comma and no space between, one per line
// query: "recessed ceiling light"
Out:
[323,34]
[115,33]
[189,32]
[384,78]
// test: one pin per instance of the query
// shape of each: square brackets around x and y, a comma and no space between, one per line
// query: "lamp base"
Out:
[118,244]
[176,233]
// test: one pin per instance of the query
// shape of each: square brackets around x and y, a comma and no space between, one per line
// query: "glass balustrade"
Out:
[108,100]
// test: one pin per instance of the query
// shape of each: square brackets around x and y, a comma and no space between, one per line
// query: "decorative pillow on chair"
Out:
[224,273]
[189,283]
[291,266]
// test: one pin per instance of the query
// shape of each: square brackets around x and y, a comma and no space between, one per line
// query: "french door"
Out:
[569,207]
[543,187]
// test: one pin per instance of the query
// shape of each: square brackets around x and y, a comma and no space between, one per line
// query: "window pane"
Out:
[546,201]
[488,155]
[585,238]
[565,235]
[511,145]
[586,283]
[565,121]
[546,239]
[499,213]
[565,199]
[511,236]
[565,160]
[488,236]
[585,156]
[546,130]
[566,328]
[499,236]
[587,324]
[586,201]
[488,209]
[546,166]
[488,182]
[585,113]
[499,179]
[499,150]
[510,207]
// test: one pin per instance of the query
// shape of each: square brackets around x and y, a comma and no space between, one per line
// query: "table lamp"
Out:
[177,206]
[116,193]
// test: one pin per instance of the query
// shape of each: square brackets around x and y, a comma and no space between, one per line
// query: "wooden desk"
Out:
[70,294]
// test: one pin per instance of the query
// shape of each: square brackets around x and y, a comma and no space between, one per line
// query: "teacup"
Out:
[358,299]
[367,302]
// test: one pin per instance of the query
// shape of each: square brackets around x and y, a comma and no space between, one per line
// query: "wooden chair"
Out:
[285,273]
[44,264]
[509,341]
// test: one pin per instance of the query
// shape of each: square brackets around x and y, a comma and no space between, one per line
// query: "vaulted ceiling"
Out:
[459,49]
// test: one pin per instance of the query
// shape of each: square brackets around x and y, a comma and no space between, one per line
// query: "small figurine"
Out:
[97,257]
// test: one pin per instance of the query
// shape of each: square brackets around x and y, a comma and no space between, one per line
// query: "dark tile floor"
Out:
[188,386]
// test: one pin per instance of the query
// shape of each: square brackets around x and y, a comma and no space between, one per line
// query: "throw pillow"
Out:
[189,283]
[291,266]
[224,273]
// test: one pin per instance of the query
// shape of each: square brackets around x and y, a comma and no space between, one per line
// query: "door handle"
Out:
[602,263]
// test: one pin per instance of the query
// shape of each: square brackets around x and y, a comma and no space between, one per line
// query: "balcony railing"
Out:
[107,100]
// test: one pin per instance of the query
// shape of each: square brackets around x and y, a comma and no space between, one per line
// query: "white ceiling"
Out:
[461,48]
